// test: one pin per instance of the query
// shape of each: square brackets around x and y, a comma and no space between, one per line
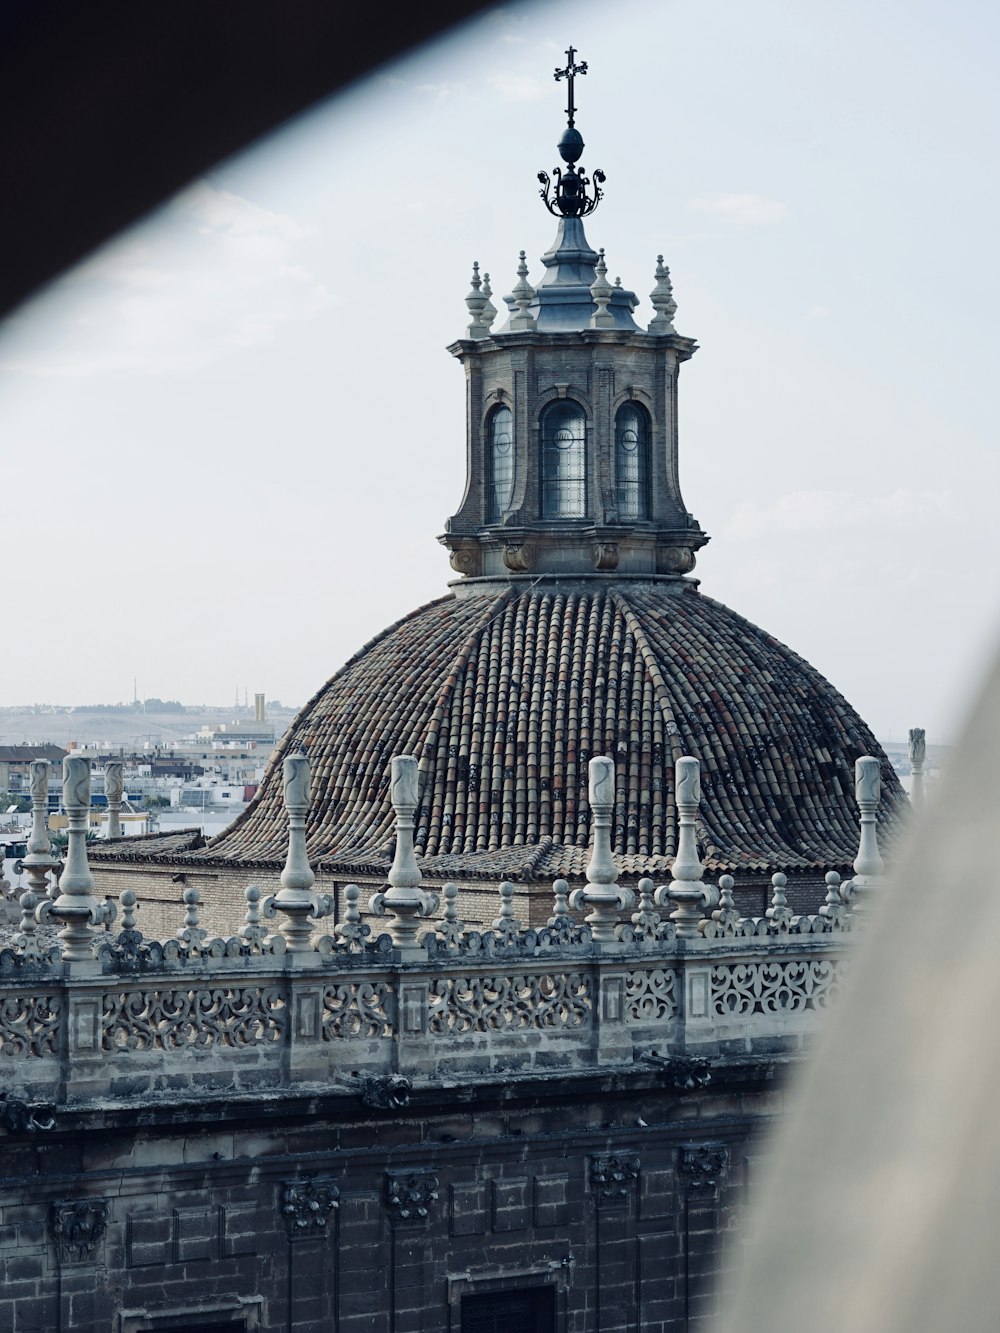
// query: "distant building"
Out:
[15,761]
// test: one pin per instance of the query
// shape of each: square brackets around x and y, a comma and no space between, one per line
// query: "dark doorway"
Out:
[528,1310]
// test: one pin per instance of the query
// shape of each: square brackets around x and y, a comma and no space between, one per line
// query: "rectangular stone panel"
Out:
[551,1201]
[658,1271]
[468,1208]
[239,1230]
[656,1192]
[150,1237]
[197,1234]
[511,1211]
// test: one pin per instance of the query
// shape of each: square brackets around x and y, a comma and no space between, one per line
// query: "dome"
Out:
[505,698]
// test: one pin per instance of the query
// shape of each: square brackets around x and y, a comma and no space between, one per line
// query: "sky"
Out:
[232,436]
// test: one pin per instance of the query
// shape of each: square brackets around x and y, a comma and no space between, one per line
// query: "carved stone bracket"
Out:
[386,1092]
[306,1206]
[684,1072]
[605,555]
[702,1166]
[612,1176]
[77,1227]
[19,1117]
[409,1195]
[519,557]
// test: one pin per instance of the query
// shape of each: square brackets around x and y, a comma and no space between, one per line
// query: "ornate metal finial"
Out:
[569,74]
[571,197]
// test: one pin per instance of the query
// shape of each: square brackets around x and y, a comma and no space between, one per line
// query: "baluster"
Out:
[253,931]
[27,942]
[646,918]
[404,903]
[27,927]
[602,893]
[560,912]
[39,861]
[918,752]
[685,889]
[506,925]
[352,930]
[127,901]
[726,916]
[450,930]
[114,790]
[869,868]
[779,913]
[297,898]
[833,907]
[77,906]
[192,933]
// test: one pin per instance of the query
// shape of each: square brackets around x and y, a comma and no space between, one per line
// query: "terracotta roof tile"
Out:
[505,700]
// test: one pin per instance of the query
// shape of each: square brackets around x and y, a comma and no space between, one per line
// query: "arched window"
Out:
[632,462]
[500,463]
[564,462]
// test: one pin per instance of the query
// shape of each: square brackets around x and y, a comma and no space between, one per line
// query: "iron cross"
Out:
[570,73]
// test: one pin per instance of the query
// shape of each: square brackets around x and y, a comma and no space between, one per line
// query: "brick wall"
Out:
[311,1215]
[161,908]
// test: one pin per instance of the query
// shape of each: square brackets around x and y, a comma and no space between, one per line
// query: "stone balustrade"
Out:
[109,1014]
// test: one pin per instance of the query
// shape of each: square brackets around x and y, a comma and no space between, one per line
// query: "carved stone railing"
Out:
[111,1014]
[229,1018]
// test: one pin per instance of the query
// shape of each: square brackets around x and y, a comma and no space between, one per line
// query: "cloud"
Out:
[843,513]
[220,274]
[818,312]
[518,87]
[440,92]
[744,210]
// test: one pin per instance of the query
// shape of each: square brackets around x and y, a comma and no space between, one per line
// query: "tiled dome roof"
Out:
[504,699]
